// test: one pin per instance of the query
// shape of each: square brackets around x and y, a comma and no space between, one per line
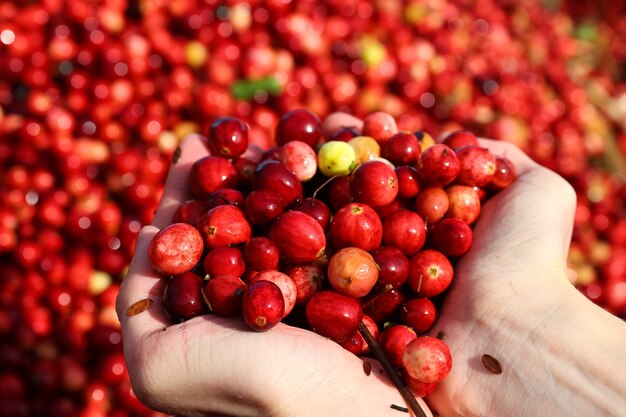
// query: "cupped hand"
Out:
[217,366]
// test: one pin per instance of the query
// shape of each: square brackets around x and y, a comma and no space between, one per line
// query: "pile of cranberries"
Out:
[330,233]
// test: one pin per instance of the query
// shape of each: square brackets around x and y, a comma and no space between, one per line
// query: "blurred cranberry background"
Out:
[96,95]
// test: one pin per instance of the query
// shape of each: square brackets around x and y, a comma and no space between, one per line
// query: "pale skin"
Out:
[561,355]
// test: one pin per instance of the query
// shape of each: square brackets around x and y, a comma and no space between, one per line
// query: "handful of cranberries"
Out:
[356,231]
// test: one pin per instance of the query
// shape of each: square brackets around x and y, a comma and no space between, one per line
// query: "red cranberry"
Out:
[182,297]
[393,341]
[263,206]
[460,138]
[260,253]
[477,165]
[438,165]
[224,226]
[301,125]
[408,181]
[403,148]
[463,203]
[298,237]
[419,314]
[224,261]
[228,137]
[451,236]
[374,183]
[356,225]
[405,230]
[308,280]
[334,315]
[393,267]
[430,273]
[273,176]
[223,295]
[263,306]
[175,249]
[211,173]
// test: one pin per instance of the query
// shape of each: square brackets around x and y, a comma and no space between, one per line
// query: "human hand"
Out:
[216,366]
[511,299]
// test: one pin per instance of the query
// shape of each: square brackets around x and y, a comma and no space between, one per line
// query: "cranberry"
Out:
[357,225]
[224,226]
[430,273]
[175,249]
[182,297]
[263,306]
[352,271]
[260,253]
[452,237]
[334,315]
[224,261]
[211,173]
[403,148]
[273,176]
[418,313]
[438,166]
[223,294]
[298,237]
[405,230]
[301,125]
[228,137]
[374,183]
[477,165]
[427,359]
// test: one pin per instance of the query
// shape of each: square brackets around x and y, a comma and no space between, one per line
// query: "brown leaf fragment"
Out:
[367,367]
[139,307]
[492,364]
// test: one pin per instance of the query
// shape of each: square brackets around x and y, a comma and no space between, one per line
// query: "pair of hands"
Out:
[512,277]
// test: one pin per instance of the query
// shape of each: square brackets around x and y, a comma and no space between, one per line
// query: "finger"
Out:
[176,191]
[141,283]
[336,121]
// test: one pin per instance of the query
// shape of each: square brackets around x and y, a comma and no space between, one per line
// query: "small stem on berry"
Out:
[391,371]
[324,184]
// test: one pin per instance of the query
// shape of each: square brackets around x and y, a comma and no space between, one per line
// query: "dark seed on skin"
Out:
[441,335]
[492,364]
[399,408]
[139,307]
[367,367]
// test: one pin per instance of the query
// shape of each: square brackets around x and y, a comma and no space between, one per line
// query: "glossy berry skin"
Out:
[212,173]
[427,359]
[383,304]
[477,165]
[263,206]
[345,134]
[263,306]
[224,226]
[405,230]
[393,267]
[419,314]
[228,137]
[283,281]
[225,196]
[403,148]
[460,138]
[452,237]
[298,237]
[273,176]
[393,341]
[357,225]
[352,271]
[260,253]
[418,388]
[504,176]
[223,295]
[301,125]
[339,193]
[334,315]
[432,204]
[374,183]
[430,273]
[315,208]
[182,297]
[408,181]
[463,203]
[438,165]
[175,249]
[224,261]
